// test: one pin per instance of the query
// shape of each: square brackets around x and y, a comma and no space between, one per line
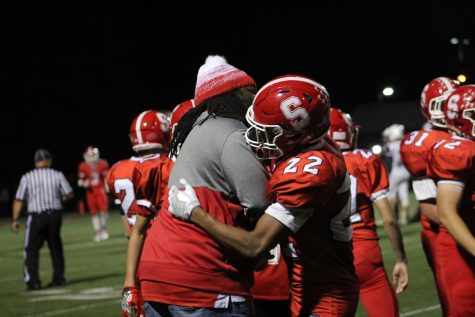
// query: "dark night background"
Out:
[74,76]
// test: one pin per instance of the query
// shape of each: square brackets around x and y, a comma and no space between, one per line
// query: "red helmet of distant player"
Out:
[179,112]
[433,96]
[288,111]
[342,130]
[460,111]
[91,154]
[149,130]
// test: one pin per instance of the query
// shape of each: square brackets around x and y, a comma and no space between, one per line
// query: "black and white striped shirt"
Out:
[43,189]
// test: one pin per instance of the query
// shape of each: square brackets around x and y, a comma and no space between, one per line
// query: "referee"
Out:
[43,189]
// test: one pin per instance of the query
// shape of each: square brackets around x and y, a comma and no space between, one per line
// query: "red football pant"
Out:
[457,268]
[323,302]
[96,199]
[376,292]
[428,239]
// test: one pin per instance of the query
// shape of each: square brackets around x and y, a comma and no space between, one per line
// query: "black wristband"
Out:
[14,220]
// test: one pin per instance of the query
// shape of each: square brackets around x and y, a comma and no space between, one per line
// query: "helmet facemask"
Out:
[263,138]
[469,115]
[435,110]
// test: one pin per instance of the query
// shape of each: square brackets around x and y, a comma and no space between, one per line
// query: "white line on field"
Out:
[420,310]
[74,309]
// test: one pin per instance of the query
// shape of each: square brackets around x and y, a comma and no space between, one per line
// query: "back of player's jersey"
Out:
[150,180]
[415,148]
[119,180]
[369,182]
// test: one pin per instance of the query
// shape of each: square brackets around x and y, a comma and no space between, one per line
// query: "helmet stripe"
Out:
[292,78]
[137,126]
[447,83]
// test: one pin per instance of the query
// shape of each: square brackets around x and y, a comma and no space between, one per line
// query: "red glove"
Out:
[132,302]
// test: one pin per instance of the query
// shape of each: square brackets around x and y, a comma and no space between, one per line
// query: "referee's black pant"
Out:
[40,227]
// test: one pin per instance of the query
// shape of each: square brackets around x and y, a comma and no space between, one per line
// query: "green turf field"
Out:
[94,271]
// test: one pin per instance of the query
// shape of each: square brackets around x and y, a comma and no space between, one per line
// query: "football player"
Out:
[398,194]
[91,176]
[415,149]
[141,185]
[452,165]
[178,112]
[119,177]
[310,191]
[369,185]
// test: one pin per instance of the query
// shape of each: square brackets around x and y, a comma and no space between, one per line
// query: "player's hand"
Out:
[132,302]
[182,202]
[15,226]
[400,277]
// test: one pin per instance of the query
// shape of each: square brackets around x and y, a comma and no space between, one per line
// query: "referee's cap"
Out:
[42,155]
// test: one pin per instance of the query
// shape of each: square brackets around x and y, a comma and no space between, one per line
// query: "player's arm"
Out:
[250,244]
[391,228]
[449,196]
[134,249]
[16,210]
[132,301]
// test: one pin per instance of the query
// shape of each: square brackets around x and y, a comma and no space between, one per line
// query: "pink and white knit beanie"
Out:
[216,77]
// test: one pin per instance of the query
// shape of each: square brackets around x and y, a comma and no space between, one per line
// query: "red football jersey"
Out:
[272,283]
[94,174]
[369,181]
[453,160]
[119,180]
[150,180]
[415,149]
[314,189]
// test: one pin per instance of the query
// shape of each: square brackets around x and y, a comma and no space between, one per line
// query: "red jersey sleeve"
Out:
[450,160]
[378,177]
[150,179]
[82,171]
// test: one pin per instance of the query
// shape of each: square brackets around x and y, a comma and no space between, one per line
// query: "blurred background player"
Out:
[92,172]
[149,134]
[398,194]
[369,185]
[147,137]
[452,165]
[178,112]
[415,149]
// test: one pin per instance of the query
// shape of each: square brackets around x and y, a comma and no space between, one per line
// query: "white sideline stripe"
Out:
[421,310]
[74,309]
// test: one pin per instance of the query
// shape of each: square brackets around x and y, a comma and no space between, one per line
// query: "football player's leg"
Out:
[102,203]
[458,275]
[428,239]
[375,287]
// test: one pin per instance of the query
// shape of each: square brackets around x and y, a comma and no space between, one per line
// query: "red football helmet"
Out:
[460,111]
[433,96]
[288,111]
[342,130]
[91,154]
[179,112]
[149,130]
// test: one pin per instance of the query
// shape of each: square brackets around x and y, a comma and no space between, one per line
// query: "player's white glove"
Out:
[182,202]
[132,302]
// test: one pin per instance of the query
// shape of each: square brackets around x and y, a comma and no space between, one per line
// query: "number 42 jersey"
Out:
[369,182]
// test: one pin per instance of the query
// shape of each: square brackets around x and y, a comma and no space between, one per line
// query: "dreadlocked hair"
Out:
[228,105]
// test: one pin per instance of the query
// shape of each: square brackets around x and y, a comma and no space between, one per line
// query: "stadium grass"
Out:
[94,271]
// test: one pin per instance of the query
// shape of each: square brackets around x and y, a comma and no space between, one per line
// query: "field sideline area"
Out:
[94,271]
